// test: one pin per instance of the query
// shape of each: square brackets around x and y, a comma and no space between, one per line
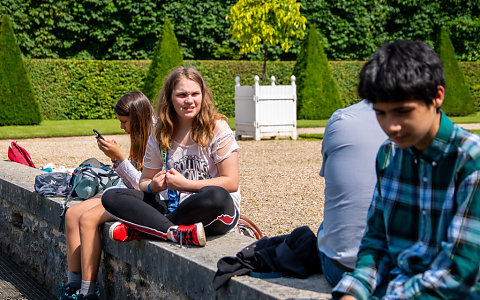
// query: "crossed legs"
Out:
[212,205]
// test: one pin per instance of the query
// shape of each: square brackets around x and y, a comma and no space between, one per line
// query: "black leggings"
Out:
[212,205]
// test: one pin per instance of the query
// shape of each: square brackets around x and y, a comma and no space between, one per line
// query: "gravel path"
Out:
[279,181]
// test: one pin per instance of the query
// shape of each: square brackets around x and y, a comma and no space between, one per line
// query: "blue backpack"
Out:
[90,178]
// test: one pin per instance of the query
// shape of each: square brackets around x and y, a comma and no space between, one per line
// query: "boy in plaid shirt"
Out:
[423,226]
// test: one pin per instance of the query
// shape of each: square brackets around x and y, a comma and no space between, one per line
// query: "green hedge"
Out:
[166,56]
[128,29]
[459,99]
[471,71]
[83,89]
[17,97]
[317,91]
[88,89]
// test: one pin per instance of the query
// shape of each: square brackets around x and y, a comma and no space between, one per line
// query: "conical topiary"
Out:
[317,93]
[166,56]
[458,100]
[18,104]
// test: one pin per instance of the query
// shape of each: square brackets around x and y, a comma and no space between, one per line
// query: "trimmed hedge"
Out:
[317,91]
[83,89]
[166,56]
[471,72]
[66,88]
[18,105]
[459,99]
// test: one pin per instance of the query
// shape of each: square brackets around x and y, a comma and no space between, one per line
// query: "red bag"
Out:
[19,155]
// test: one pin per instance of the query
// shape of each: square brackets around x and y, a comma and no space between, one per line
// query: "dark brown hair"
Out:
[138,108]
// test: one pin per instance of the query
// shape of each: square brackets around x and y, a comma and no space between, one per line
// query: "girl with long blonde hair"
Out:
[189,186]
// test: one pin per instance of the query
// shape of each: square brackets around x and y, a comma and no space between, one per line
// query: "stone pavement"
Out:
[15,284]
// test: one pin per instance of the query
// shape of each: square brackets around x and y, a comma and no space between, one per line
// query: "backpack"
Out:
[19,155]
[90,178]
[53,184]
[247,228]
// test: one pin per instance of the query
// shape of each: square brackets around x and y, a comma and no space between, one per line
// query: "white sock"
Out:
[88,287]
[172,236]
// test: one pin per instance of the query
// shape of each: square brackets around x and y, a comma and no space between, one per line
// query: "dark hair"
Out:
[400,71]
[138,108]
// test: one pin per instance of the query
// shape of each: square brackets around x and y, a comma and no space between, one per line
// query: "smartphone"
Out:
[99,136]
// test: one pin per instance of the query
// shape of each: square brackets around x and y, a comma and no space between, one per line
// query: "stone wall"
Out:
[145,269]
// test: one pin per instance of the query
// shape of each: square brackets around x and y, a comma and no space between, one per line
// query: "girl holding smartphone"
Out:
[136,116]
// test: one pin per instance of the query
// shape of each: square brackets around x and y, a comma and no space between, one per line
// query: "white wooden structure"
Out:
[266,111]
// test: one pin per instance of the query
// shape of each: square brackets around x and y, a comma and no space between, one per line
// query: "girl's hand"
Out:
[176,181]
[158,182]
[111,149]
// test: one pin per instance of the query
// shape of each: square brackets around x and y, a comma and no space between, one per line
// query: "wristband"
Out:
[149,190]
[115,163]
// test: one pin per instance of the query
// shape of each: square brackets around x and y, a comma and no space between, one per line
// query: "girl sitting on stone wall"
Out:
[190,180]
[136,116]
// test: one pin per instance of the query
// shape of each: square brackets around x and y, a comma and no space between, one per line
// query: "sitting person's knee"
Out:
[216,195]
[88,220]
[108,197]
[73,214]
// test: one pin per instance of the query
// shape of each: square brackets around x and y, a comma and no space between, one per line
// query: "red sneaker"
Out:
[191,234]
[121,232]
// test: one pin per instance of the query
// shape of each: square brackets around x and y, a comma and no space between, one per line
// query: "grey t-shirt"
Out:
[351,140]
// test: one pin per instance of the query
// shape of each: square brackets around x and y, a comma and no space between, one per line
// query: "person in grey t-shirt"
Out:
[350,143]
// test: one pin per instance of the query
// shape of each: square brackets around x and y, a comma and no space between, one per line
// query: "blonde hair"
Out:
[204,122]
[136,106]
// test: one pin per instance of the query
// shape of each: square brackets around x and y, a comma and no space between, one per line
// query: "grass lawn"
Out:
[475,131]
[84,127]
[310,136]
[61,128]
[473,118]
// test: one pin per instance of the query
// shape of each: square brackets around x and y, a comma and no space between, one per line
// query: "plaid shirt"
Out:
[423,226]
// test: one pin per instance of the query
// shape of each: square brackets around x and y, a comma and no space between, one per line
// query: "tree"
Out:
[259,23]
[129,29]
[18,103]
[317,93]
[166,56]
[458,100]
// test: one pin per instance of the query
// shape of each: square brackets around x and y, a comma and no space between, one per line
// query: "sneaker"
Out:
[191,234]
[66,291]
[121,232]
[91,296]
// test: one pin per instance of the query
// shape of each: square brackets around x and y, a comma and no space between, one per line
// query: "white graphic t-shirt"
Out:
[193,161]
